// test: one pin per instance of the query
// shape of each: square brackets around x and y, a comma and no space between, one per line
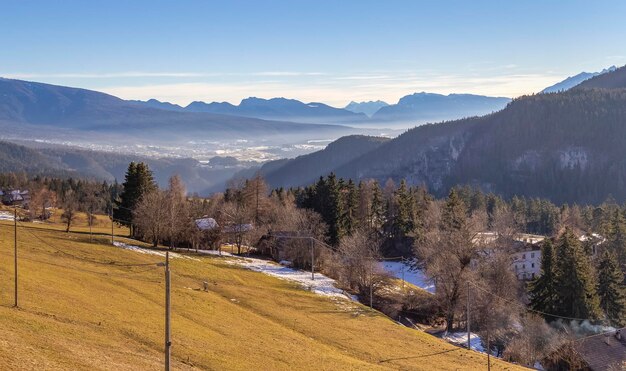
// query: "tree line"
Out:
[583,255]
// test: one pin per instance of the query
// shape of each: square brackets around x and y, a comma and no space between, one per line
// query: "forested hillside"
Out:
[304,169]
[568,147]
[70,162]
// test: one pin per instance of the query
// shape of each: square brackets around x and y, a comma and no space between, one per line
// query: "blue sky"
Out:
[328,51]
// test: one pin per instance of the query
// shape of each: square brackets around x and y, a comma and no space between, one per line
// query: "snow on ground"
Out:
[411,275]
[143,250]
[460,338]
[322,285]
[6,215]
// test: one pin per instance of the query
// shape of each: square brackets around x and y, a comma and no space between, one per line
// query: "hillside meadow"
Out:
[81,306]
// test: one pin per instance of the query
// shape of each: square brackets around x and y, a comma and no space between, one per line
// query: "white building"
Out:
[527,262]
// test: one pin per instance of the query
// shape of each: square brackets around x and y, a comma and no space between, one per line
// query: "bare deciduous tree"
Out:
[359,254]
[151,217]
[536,341]
[177,210]
[447,249]
[70,209]
[40,201]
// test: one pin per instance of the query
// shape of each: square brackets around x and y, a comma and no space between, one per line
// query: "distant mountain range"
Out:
[55,107]
[567,146]
[368,108]
[281,109]
[424,107]
[411,110]
[572,81]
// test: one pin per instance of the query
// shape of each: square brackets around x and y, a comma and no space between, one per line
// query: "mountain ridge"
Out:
[567,147]
[575,80]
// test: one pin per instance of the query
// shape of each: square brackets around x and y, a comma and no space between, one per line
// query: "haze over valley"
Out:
[329,185]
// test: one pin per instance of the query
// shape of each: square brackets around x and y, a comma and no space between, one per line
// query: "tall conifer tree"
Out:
[611,290]
[574,280]
[542,290]
[138,181]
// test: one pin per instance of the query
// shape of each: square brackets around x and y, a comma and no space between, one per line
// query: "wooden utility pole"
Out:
[312,260]
[15,248]
[402,265]
[371,283]
[168,342]
[468,316]
[488,350]
[112,240]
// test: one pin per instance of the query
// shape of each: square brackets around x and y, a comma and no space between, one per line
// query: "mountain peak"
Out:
[615,78]
[369,108]
[576,80]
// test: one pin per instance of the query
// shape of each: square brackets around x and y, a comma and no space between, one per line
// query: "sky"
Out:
[314,51]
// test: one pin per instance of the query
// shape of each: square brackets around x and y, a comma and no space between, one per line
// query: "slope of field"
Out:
[93,306]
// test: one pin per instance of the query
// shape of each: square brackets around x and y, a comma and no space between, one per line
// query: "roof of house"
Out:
[13,196]
[206,224]
[604,350]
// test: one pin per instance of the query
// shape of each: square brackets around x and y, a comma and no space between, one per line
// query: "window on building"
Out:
[532,265]
[523,266]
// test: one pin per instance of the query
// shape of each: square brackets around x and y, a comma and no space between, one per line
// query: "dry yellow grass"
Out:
[79,310]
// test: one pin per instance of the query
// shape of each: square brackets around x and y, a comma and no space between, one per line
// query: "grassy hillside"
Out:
[79,309]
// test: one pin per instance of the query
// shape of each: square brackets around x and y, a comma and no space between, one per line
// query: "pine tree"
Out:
[350,220]
[542,290]
[617,236]
[404,217]
[574,280]
[138,181]
[454,215]
[610,289]
[377,209]
[334,209]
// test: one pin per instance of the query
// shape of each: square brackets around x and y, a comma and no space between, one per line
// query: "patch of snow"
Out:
[143,250]
[5,215]
[322,285]
[573,157]
[411,275]
[216,252]
[460,338]
[595,236]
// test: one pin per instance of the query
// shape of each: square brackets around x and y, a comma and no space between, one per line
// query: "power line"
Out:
[125,276]
[112,263]
[526,308]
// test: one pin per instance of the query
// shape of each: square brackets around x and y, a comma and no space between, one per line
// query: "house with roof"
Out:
[16,197]
[209,236]
[278,244]
[524,248]
[606,351]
